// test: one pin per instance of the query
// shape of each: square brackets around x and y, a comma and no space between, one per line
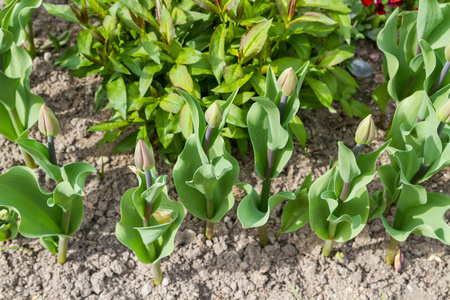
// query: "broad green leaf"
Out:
[167,28]
[421,213]
[109,126]
[40,154]
[147,41]
[188,56]
[171,103]
[322,92]
[186,121]
[217,51]
[335,57]
[348,168]
[117,95]
[22,192]
[62,11]
[249,212]
[337,5]
[179,77]
[209,6]
[253,40]
[6,40]
[146,78]
[429,16]
[298,129]
[137,8]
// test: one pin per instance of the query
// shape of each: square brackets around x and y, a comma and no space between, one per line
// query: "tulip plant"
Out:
[339,200]
[52,217]
[205,172]
[415,60]
[19,108]
[419,149]
[268,124]
[150,220]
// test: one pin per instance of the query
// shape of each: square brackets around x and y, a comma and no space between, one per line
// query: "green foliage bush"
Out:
[143,49]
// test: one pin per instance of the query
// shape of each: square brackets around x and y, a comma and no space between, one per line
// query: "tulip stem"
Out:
[209,233]
[282,106]
[156,267]
[263,240]
[64,240]
[30,39]
[357,149]
[438,83]
[210,214]
[328,246]
[157,273]
[207,140]
[441,128]
[392,249]
[51,150]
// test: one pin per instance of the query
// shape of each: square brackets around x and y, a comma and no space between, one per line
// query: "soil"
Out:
[232,265]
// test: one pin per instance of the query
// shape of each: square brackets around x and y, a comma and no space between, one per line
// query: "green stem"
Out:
[263,240]
[441,128]
[207,140]
[51,150]
[30,39]
[282,106]
[157,273]
[209,230]
[64,241]
[29,161]
[357,149]
[330,242]
[392,248]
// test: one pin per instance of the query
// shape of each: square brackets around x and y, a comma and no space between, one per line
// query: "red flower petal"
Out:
[395,3]
[366,2]
[379,8]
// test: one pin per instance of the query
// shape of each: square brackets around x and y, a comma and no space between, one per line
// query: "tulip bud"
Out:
[162,217]
[398,260]
[4,215]
[213,115]
[444,113]
[365,133]
[48,124]
[143,156]
[288,82]
[447,51]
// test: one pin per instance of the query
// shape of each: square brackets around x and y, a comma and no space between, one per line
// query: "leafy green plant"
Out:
[52,217]
[268,123]
[419,149]
[339,200]
[150,220]
[145,49]
[19,108]
[415,60]
[8,224]
[205,172]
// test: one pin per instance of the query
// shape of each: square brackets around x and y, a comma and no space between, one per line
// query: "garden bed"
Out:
[232,265]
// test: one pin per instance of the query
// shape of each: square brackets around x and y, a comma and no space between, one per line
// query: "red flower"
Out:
[395,3]
[366,2]
[379,8]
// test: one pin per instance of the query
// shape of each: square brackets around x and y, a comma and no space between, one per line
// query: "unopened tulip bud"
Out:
[143,156]
[4,215]
[365,133]
[447,52]
[288,82]
[48,124]
[213,115]
[398,261]
[444,113]
[162,217]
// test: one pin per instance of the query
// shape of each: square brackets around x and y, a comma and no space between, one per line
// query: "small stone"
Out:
[146,290]
[105,160]
[166,280]
[209,243]
[47,56]
[98,282]
[189,236]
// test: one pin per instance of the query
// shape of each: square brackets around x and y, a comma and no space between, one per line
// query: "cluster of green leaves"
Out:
[154,241]
[417,152]
[204,177]
[19,108]
[41,212]
[420,144]
[144,49]
[413,43]
[271,136]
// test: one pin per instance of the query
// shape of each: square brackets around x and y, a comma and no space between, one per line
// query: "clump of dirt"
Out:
[232,265]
